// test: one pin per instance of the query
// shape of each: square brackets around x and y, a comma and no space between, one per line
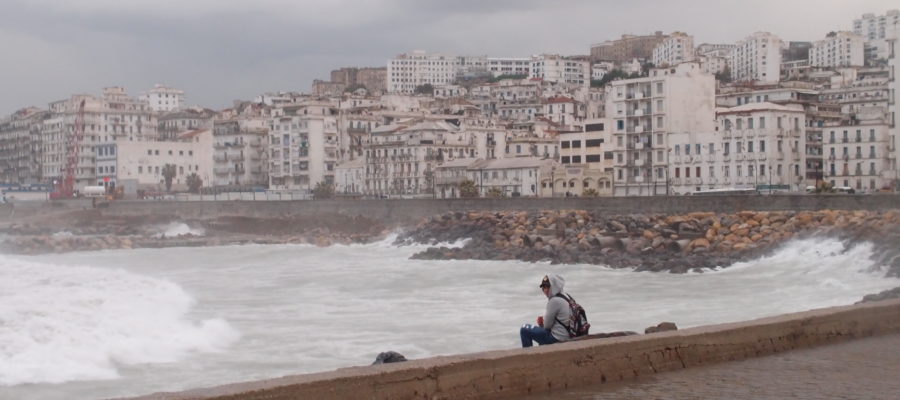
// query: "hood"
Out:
[557,283]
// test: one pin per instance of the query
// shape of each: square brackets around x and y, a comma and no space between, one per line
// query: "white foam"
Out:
[67,323]
[175,229]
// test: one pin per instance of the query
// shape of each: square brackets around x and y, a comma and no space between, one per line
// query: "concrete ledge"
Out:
[518,372]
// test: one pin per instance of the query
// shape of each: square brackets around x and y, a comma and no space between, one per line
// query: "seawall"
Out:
[513,373]
[407,211]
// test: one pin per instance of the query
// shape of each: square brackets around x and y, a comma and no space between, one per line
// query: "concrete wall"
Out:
[406,211]
[518,372]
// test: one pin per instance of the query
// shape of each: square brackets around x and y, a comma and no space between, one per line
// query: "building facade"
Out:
[843,49]
[757,58]
[674,50]
[164,98]
[627,48]
[559,69]
[645,112]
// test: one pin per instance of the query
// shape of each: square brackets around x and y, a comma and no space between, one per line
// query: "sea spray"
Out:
[66,323]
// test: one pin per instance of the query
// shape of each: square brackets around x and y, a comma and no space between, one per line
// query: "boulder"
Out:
[661,327]
[388,357]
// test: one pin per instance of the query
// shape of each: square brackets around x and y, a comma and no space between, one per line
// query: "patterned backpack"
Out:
[577,325]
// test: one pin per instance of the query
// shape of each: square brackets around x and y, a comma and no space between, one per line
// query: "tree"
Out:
[168,173]
[467,189]
[323,190]
[609,77]
[425,89]
[495,193]
[194,183]
[724,76]
[354,87]
[590,192]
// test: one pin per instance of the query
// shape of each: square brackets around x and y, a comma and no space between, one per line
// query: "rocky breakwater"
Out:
[674,243]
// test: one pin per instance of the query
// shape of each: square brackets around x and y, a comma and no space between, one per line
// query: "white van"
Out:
[94,191]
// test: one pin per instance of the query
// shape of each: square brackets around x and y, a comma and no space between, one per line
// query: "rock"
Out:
[389,357]
[885,295]
[699,243]
[661,327]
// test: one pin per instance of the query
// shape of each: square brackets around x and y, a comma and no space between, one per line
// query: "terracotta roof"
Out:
[193,133]
[560,99]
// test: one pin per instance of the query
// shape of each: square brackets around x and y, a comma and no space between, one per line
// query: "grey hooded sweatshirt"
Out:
[557,309]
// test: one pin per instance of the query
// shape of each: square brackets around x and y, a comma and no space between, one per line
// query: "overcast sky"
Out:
[221,50]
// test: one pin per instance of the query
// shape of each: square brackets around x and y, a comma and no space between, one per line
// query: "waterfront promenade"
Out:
[859,369]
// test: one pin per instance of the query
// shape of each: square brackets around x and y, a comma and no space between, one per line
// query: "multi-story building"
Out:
[172,124]
[840,49]
[558,69]
[303,145]
[757,145]
[757,58]
[408,71]
[674,50]
[877,30]
[240,156]
[626,48]
[145,161]
[587,157]
[858,156]
[516,66]
[714,58]
[401,157]
[163,98]
[107,118]
[20,146]
[645,111]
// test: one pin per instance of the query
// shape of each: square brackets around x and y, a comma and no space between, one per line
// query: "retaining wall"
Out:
[403,211]
[515,373]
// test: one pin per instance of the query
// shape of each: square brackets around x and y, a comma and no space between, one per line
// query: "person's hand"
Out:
[540,321]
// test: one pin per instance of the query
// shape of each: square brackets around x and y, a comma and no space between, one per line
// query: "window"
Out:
[140,169]
[762,146]
[565,144]
[149,152]
[576,144]
[740,123]
[677,172]
[712,148]
[687,172]
[727,148]
[566,160]
[698,172]
[620,125]
[749,146]
[677,150]
[576,159]
[712,171]
[687,149]
[750,123]
[593,142]
[592,158]
[697,147]
[762,122]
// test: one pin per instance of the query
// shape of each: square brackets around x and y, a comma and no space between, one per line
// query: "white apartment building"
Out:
[408,71]
[498,66]
[877,31]
[859,156]
[107,118]
[843,49]
[163,98]
[645,112]
[144,161]
[758,145]
[558,69]
[757,58]
[673,50]
[303,146]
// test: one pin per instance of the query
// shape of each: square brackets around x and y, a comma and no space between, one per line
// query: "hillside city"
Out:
[641,115]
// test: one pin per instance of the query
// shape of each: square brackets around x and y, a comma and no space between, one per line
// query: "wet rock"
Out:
[661,327]
[388,357]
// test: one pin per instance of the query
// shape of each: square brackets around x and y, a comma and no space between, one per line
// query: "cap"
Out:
[545,282]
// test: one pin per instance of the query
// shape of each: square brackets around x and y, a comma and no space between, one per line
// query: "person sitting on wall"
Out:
[549,328]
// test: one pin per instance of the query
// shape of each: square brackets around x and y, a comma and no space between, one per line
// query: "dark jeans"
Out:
[530,333]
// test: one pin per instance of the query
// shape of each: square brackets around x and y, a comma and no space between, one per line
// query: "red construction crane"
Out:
[66,188]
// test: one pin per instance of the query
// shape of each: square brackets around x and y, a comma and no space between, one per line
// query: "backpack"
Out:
[577,325]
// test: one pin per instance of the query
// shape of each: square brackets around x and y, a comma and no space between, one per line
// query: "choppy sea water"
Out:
[95,325]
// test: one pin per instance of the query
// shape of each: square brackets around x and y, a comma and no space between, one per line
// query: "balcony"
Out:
[710,157]
[223,170]
[761,156]
[639,162]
